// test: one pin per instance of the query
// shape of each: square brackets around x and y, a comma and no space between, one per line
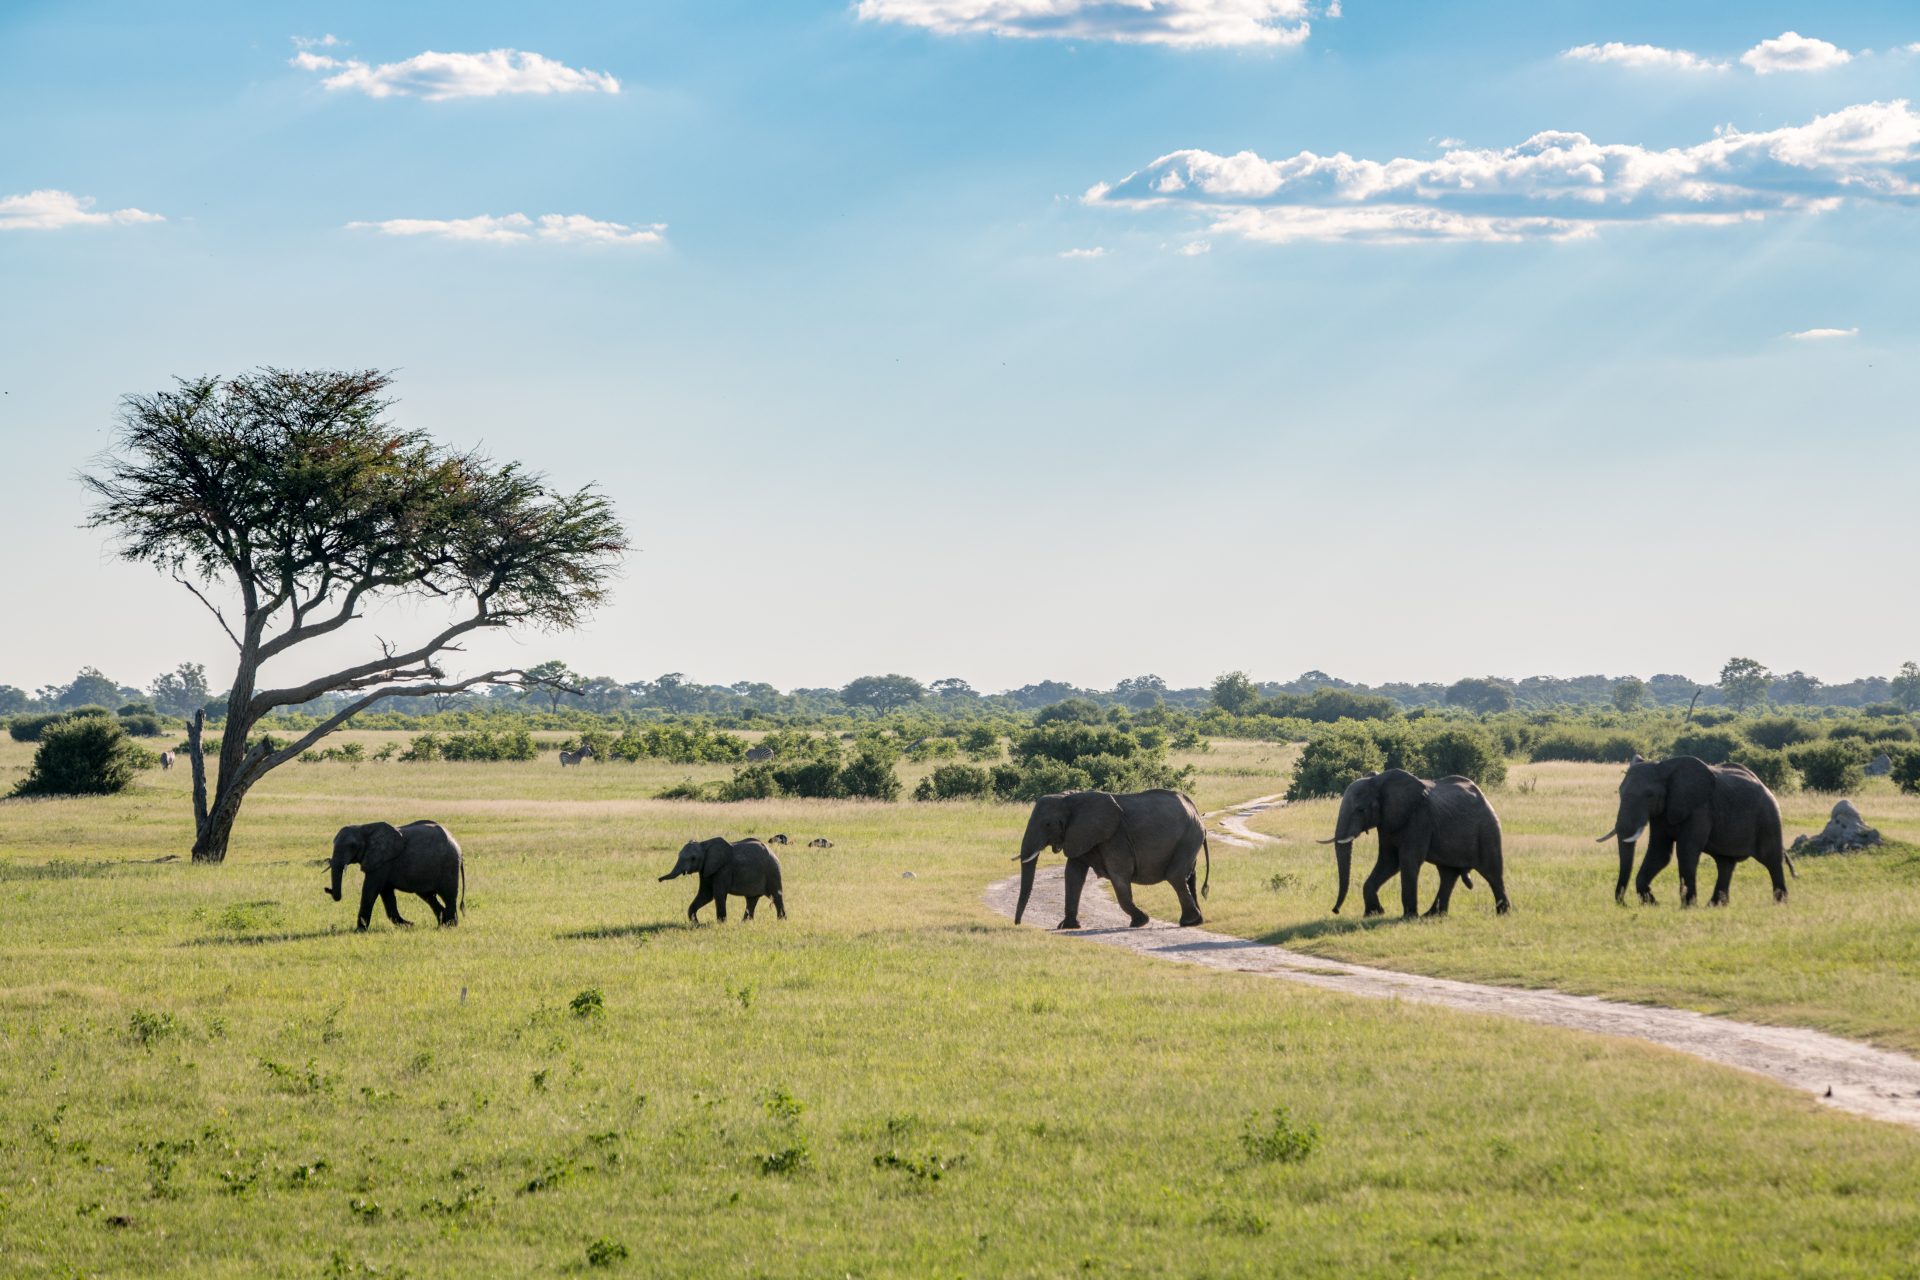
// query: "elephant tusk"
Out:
[1603,839]
[1032,857]
[1332,840]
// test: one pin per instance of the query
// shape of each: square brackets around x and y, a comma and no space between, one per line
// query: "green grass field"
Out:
[1843,954]
[206,1073]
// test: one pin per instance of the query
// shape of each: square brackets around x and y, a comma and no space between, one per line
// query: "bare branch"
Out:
[510,676]
[220,617]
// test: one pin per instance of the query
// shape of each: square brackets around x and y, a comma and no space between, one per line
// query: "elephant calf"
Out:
[744,868]
[420,858]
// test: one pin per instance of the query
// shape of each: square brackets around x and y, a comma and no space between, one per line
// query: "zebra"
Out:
[575,757]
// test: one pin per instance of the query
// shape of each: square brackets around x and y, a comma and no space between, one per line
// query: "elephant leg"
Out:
[779,905]
[433,905]
[1689,863]
[1444,895]
[450,899]
[391,902]
[753,900]
[1775,865]
[1722,881]
[700,900]
[1123,894]
[1189,904]
[1410,885]
[1383,869]
[369,894]
[1659,852]
[1076,881]
[1497,881]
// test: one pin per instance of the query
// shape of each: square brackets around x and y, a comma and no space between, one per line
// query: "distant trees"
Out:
[952,687]
[1482,695]
[181,691]
[1743,682]
[1234,692]
[883,693]
[12,699]
[1629,693]
[91,688]
[1905,687]
[552,680]
[1796,688]
[289,494]
[1141,692]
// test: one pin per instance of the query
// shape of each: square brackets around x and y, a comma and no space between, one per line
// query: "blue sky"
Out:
[1022,339]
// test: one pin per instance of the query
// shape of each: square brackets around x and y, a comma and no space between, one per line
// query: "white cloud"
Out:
[1181,23]
[1553,186]
[1791,51]
[1098,251]
[439,76]
[1642,57]
[51,210]
[328,41]
[518,228]
[1194,248]
[1823,335]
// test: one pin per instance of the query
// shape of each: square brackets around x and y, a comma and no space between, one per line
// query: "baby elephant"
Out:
[745,868]
[421,858]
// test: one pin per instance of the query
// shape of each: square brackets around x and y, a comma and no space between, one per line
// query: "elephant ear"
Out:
[1094,819]
[714,854]
[384,846]
[1689,789]
[1402,796]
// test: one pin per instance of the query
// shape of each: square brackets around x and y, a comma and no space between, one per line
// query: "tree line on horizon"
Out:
[1743,684]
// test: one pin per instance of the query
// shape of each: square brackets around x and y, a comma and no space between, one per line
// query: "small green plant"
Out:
[743,996]
[588,1004]
[557,1171]
[1241,1222]
[782,1105]
[791,1159]
[605,1253]
[929,1168]
[304,1175]
[1276,1139]
[147,1027]
[308,1079]
[1281,881]
[365,1208]
[247,917]
[540,1078]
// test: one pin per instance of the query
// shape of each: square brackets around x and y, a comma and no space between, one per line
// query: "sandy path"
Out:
[1853,1077]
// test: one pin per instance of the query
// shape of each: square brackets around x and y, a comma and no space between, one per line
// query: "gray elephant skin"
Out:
[1447,822]
[1142,837]
[420,858]
[1688,807]
[743,868]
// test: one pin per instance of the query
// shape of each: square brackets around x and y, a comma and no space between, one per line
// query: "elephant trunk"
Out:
[1343,862]
[1626,868]
[337,868]
[1030,846]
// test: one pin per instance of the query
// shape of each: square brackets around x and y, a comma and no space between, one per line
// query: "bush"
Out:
[981,743]
[135,709]
[955,782]
[749,782]
[143,725]
[1777,732]
[1071,711]
[29,728]
[1771,767]
[1715,746]
[1831,766]
[869,775]
[1591,746]
[676,744]
[1329,764]
[1906,771]
[83,755]
[1467,752]
[1041,777]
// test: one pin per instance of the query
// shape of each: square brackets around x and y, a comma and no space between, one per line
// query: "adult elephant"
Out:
[1689,807]
[1143,837]
[420,858]
[1447,822]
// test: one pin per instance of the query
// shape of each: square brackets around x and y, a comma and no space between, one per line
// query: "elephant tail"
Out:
[1788,859]
[1208,849]
[463,886]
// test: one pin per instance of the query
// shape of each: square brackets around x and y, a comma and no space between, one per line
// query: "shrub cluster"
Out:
[1428,748]
[480,744]
[33,728]
[83,755]
[816,769]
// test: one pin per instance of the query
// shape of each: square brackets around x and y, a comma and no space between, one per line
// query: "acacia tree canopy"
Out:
[291,491]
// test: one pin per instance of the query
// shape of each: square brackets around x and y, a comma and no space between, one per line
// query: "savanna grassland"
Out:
[207,1073]
[1843,954]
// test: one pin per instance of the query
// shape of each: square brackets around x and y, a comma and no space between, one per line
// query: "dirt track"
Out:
[1853,1077]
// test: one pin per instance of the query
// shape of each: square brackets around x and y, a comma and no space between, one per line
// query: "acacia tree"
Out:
[1744,682]
[290,495]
